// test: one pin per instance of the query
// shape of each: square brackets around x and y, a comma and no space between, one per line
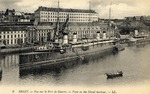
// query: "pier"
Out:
[16,50]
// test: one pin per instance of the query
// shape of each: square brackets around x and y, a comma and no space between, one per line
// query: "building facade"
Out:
[22,35]
[12,36]
[25,17]
[44,34]
[44,14]
[86,30]
[11,16]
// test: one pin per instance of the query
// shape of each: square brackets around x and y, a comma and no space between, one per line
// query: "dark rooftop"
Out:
[13,28]
[64,10]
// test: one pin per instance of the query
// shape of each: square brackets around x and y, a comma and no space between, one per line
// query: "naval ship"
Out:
[70,51]
[61,50]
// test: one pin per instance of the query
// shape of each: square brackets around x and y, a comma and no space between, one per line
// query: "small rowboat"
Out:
[114,75]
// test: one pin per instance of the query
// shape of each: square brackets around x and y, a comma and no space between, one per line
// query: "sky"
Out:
[119,8]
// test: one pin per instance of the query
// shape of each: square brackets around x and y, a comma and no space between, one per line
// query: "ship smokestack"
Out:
[104,35]
[98,35]
[56,40]
[65,39]
[136,32]
[74,37]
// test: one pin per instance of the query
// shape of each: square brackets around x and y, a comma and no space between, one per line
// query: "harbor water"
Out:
[133,61]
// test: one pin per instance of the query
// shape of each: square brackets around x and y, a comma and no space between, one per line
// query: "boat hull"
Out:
[53,57]
[114,75]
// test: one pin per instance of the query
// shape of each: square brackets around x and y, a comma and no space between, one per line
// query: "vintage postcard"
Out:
[74,46]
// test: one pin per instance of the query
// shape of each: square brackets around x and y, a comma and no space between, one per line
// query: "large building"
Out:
[87,30]
[44,33]
[44,14]
[12,36]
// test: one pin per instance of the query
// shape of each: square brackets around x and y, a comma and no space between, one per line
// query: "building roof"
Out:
[43,27]
[13,28]
[24,28]
[87,24]
[64,10]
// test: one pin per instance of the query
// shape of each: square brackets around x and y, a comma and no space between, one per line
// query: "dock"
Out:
[15,50]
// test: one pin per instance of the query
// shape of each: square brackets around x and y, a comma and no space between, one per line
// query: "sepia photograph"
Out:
[74,46]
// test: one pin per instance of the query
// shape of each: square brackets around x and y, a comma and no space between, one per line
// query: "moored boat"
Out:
[114,75]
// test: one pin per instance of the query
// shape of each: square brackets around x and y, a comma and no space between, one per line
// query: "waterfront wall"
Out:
[15,50]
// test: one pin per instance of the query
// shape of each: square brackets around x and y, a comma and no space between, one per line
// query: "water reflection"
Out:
[134,62]
[9,60]
[55,70]
[9,66]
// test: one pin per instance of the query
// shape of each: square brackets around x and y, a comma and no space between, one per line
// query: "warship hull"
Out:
[55,57]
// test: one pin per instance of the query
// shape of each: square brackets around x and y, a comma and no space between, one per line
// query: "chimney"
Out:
[65,39]
[136,32]
[104,35]
[74,37]
[98,35]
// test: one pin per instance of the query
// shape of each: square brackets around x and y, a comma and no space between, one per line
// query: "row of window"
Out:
[96,28]
[13,36]
[13,41]
[20,35]
[82,35]
[65,13]
[42,34]
[83,32]
[62,20]
[43,31]
[45,16]
[12,32]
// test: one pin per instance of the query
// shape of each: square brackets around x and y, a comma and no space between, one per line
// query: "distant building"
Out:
[44,14]
[30,35]
[2,17]
[13,16]
[43,33]
[39,34]
[26,17]
[22,35]
[10,15]
[12,36]
[86,30]
[138,18]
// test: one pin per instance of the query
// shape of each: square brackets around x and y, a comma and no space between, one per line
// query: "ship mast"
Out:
[109,24]
[109,12]
[57,32]
[89,27]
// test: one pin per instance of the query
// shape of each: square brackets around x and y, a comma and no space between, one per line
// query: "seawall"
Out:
[15,50]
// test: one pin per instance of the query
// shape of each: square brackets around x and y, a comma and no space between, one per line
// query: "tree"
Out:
[141,19]
[134,18]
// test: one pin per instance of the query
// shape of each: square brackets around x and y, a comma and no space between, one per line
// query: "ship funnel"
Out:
[56,40]
[74,37]
[104,34]
[65,39]
[136,32]
[98,35]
